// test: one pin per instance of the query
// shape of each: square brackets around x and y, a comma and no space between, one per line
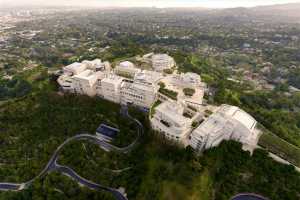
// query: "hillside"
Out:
[274,13]
[284,10]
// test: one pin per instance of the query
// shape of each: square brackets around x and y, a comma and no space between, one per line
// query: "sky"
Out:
[149,3]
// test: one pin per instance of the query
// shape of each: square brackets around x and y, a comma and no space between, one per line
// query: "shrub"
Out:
[188,92]
[169,93]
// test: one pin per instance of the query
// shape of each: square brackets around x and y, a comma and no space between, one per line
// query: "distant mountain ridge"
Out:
[289,10]
[289,6]
[280,12]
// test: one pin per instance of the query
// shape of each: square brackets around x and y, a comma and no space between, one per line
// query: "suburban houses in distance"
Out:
[174,100]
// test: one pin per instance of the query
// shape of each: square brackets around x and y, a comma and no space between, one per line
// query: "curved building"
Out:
[170,121]
[161,62]
[227,123]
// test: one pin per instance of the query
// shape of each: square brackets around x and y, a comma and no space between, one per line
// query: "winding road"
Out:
[248,196]
[52,164]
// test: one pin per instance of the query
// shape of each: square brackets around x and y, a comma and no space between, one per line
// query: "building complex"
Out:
[175,100]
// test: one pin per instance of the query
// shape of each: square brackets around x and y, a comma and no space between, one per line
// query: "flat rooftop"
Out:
[108,131]
[75,67]
[87,74]
[113,79]
[214,124]
[148,76]
[173,111]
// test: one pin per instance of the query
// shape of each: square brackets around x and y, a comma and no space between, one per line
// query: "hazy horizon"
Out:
[147,3]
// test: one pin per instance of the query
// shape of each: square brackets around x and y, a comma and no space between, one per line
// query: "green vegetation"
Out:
[152,110]
[169,93]
[261,173]
[160,170]
[168,71]
[125,75]
[195,124]
[278,114]
[23,83]
[208,67]
[208,113]
[203,186]
[162,84]
[32,127]
[280,147]
[188,115]
[192,108]
[188,91]
[294,78]
[13,88]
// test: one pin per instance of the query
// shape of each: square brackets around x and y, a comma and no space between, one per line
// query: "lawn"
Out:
[280,147]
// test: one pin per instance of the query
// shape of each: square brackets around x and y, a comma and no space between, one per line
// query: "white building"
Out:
[127,69]
[109,88]
[161,62]
[179,82]
[142,90]
[187,80]
[85,78]
[147,76]
[74,69]
[147,57]
[66,83]
[168,119]
[86,81]
[82,77]
[107,66]
[138,93]
[227,123]
[95,65]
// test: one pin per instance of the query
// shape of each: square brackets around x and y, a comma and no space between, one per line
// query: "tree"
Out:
[189,91]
